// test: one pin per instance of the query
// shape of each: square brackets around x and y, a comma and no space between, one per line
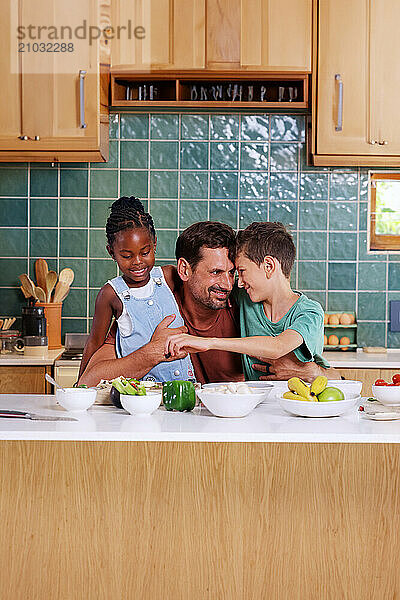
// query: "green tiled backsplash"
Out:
[235,168]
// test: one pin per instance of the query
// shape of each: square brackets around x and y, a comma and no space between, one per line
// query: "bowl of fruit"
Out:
[387,393]
[317,400]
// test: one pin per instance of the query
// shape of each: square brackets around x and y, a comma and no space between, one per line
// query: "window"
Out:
[385,211]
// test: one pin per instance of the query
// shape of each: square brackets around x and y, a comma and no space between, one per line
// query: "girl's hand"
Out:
[184,342]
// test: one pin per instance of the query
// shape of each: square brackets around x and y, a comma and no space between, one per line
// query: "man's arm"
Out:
[282,369]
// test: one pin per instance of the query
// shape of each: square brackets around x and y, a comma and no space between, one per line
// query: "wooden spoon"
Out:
[61,292]
[9,322]
[41,270]
[67,276]
[40,294]
[51,279]
[1,323]
[28,285]
[25,293]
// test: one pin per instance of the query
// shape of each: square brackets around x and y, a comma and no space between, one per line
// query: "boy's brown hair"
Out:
[259,240]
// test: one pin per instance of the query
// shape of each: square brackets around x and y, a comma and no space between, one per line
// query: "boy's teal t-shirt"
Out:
[306,317]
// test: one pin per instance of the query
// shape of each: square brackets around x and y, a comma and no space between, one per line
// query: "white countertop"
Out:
[20,360]
[363,360]
[267,423]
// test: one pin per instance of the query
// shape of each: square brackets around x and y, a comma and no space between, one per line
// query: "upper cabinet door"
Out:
[10,115]
[276,35]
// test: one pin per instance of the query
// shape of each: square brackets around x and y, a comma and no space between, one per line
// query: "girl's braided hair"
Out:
[128,213]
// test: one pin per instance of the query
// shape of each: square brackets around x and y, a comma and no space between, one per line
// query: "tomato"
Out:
[380,382]
[396,379]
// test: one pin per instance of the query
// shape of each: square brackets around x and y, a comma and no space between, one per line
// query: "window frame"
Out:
[377,241]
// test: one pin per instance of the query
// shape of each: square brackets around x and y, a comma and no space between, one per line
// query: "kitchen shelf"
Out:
[340,326]
[208,89]
[340,347]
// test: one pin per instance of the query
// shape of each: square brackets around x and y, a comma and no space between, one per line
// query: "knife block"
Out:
[52,312]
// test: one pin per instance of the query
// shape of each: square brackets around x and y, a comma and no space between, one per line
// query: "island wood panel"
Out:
[184,520]
[24,380]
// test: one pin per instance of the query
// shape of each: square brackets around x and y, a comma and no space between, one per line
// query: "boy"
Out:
[274,319]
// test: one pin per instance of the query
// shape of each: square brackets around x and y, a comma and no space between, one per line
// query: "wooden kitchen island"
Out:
[178,506]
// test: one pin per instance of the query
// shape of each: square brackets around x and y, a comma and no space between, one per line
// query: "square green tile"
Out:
[164,155]
[79,267]
[166,244]
[223,185]
[164,127]
[44,182]
[44,212]
[100,271]
[371,306]
[13,242]
[363,222]
[342,301]
[342,246]
[165,213]
[254,127]
[104,184]
[13,182]
[134,183]
[73,183]
[134,127]
[164,184]
[113,130]
[13,212]
[191,212]
[284,157]
[194,127]
[194,155]
[372,276]
[43,242]
[112,162]
[287,128]
[319,297]
[10,270]
[52,264]
[394,276]
[393,339]
[224,127]
[97,243]
[74,165]
[253,185]
[194,184]
[251,211]
[253,156]
[283,186]
[343,216]
[71,325]
[364,254]
[371,334]
[99,212]
[312,245]
[344,186]
[11,302]
[224,155]
[312,275]
[313,215]
[73,242]
[92,300]
[314,186]
[341,276]
[73,212]
[134,155]
[304,158]
[225,211]
[364,182]
[75,304]
[284,212]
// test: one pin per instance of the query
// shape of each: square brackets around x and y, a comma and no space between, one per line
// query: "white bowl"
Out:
[76,399]
[141,406]
[230,405]
[348,386]
[305,408]
[260,386]
[388,395]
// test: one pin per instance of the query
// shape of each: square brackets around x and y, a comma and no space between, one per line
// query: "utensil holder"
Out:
[52,312]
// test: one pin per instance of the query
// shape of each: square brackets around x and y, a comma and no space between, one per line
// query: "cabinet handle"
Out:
[372,142]
[82,74]
[383,143]
[37,138]
[23,138]
[339,125]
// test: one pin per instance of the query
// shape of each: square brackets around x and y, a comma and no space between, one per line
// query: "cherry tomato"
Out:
[380,382]
[396,379]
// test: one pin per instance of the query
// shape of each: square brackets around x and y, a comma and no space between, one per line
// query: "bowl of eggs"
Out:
[339,331]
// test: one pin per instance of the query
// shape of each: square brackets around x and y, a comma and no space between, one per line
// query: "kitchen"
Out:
[191,160]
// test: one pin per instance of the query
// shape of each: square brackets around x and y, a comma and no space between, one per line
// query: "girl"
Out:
[138,299]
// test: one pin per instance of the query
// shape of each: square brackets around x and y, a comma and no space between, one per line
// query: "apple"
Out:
[330,394]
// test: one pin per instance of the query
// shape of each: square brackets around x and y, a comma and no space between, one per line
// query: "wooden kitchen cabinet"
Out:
[24,379]
[54,103]
[356,83]
[267,35]
[368,377]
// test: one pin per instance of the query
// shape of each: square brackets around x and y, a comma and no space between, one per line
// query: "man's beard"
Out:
[209,301]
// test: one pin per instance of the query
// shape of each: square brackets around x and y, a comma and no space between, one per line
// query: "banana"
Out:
[293,396]
[295,384]
[318,385]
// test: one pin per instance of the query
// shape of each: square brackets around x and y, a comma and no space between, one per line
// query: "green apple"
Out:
[330,394]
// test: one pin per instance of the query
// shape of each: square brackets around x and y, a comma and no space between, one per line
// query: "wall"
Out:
[192,167]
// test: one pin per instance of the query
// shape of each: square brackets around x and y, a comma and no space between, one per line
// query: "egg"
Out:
[344,341]
[325,340]
[333,340]
[346,319]
[333,320]
[326,319]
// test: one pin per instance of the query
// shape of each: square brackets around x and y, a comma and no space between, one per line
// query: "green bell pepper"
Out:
[179,395]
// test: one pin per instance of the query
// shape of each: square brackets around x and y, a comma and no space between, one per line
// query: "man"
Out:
[201,284]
